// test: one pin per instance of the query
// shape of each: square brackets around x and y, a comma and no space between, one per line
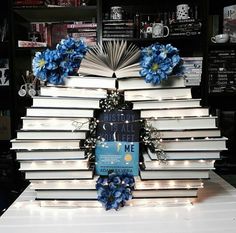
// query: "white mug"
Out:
[158,30]
[221,38]
[116,13]
[182,11]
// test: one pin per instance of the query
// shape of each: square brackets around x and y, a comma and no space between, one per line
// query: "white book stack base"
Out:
[50,148]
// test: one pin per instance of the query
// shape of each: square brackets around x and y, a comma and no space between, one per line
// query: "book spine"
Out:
[185,33]
[31,44]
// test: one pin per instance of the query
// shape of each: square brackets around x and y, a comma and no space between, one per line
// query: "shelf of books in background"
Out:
[47,3]
[117,24]
[155,25]
[49,34]
[222,70]
[31,3]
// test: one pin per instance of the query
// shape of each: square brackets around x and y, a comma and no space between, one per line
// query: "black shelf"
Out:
[222,45]
[57,14]
[4,47]
[28,49]
[162,39]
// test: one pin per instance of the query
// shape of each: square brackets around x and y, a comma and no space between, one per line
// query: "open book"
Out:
[112,58]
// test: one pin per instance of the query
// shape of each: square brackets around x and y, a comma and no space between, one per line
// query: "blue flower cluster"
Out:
[54,66]
[114,190]
[158,61]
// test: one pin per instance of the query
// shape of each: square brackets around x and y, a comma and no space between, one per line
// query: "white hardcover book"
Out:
[167,184]
[50,175]
[31,134]
[91,82]
[44,144]
[188,103]
[66,194]
[92,194]
[173,174]
[65,102]
[197,133]
[183,112]
[59,112]
[192,59]
[170,155]
[50,154]
[197,144]
[158,94]
[137,202]
[139,184]
[164,193]
[178,164]
[139,83]
[183,123]
[54,165]
[73,92]
[65,184]
[53,123]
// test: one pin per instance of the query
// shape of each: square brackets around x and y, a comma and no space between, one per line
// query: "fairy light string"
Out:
[150,137]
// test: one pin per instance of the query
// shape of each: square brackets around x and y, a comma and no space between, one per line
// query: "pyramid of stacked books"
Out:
[51,145]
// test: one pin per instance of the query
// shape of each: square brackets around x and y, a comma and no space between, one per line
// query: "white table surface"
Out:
[215,212]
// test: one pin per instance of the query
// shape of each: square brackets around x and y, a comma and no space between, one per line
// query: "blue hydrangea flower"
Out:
[158,61]
[113,191]
[54,66]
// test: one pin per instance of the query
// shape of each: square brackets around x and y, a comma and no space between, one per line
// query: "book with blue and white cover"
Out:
[118,148]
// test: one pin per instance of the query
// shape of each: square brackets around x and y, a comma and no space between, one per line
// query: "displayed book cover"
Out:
[118,148]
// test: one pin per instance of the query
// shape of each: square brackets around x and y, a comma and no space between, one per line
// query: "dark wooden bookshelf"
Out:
[56,14]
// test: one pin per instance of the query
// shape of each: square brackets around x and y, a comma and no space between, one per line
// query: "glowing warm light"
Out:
[171,162]
[18,205]
[172,183]
[192,138]
[188,186]
[33,164]
[186,163]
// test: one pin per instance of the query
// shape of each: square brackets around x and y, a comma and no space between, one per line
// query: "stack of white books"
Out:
[50,144]
[50,148]
[187,133]
[193,70]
